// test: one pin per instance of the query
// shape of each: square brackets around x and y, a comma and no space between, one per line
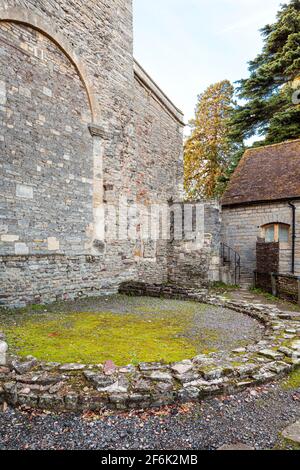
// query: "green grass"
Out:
[293,381]
[290,305]
[97,337]
[267,295]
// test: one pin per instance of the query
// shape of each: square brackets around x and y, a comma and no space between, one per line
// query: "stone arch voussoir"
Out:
[278,217]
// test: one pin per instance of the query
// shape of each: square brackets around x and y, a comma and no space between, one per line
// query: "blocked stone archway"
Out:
[47,150]
[26,17]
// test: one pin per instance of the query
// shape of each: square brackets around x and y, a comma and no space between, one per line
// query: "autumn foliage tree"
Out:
[208,150]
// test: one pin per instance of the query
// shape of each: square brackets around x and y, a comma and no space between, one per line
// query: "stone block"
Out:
[21,249]
[2,93]
[24,191]
[9,238]
[292,433]
[3,353]
[53,244]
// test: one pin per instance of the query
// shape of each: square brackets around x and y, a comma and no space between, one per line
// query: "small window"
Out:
[284,231]
[276,233]
[270,234]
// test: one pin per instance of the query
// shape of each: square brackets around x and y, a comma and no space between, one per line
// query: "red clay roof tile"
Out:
[265,174]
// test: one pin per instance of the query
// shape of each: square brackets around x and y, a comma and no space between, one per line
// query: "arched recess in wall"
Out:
[46,150]
[26,17]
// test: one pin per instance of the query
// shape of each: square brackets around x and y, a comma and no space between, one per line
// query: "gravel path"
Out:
[256,418]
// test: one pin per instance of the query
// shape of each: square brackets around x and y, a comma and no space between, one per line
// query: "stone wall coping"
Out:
[79,387]
[150,84]
[287,275]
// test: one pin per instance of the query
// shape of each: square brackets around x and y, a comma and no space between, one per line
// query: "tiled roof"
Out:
[265,174]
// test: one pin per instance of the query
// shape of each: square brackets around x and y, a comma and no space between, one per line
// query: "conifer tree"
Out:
[270,109]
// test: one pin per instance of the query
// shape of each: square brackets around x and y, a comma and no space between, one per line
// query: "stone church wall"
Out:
[81,126]
[159,167]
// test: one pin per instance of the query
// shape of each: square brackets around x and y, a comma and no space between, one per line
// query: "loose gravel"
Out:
[256,418]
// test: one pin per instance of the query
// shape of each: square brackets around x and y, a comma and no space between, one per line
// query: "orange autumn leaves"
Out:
[208,150]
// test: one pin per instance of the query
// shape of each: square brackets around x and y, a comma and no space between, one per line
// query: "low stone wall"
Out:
[36,279]
[283,286]
[287,287]
[80,387]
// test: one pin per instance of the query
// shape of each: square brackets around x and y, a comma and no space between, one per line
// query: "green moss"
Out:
[293,381]
[96,337]
[237,364]
[285,444]
[119,328]
[223,286]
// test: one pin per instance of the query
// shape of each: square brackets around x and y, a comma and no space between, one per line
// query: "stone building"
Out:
[82,126]
[262,204]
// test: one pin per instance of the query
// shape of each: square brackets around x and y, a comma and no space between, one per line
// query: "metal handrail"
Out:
[231,257]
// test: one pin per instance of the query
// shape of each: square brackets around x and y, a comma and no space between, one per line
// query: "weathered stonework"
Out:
[81,125]
[80,387]
[195,260]
[35,279]
[242,226]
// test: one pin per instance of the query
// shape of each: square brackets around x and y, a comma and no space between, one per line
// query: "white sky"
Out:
[185,45]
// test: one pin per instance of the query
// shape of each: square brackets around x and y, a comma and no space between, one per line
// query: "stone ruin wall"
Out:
[195,261]
[159,168]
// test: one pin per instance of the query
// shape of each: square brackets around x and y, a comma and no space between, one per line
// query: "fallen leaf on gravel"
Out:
[185,408]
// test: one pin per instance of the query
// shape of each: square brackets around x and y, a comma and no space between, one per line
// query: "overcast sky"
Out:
[185,45]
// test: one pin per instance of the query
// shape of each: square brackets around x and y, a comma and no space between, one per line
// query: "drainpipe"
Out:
[294,236]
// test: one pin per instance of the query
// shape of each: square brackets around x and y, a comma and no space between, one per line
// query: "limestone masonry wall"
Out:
[159,165]
[241,226]
[195,261]
[46,147]
[81,126]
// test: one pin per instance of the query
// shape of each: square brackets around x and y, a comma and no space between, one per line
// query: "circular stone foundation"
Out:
[126,330]
[270,348]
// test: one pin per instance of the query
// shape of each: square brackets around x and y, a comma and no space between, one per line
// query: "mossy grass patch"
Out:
[119,328]
[293,381]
